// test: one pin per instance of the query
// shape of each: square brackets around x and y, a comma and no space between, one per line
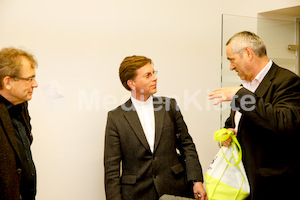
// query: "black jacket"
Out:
[10,163]
[269,135]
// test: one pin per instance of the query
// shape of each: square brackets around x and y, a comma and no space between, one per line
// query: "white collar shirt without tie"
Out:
[252,86]
[145,112]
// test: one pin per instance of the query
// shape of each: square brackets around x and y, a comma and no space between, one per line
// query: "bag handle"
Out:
[222,135]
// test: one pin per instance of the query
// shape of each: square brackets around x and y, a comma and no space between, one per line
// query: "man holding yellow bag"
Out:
[265,117]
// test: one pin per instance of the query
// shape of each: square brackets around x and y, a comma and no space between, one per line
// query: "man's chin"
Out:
[242,78]
[29,97]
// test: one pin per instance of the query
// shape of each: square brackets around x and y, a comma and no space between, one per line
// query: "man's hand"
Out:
[199,191]
[227,142]
[223,94]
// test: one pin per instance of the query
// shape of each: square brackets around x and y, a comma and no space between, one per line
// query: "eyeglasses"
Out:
[30,79]
[149,75]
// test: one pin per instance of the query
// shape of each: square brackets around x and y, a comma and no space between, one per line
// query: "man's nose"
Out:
[154,77]
[34,83]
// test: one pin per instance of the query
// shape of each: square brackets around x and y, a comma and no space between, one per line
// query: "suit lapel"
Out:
[8,127]
[264,85]
[267,81]
[134,121]
[159,114]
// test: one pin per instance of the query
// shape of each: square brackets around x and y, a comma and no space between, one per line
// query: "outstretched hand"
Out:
[223,94]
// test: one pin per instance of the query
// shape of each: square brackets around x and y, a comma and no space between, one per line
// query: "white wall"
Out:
[79,45]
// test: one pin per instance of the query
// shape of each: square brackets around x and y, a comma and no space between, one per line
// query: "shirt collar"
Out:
[6,102]
[136,102]
[10,107]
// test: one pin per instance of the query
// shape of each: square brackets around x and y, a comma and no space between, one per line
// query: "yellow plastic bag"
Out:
[226,177]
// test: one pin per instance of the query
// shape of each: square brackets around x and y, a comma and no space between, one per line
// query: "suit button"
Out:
[19,171]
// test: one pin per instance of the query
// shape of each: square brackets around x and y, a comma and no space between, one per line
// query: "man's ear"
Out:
[131,84]
[249,52]
[7,82]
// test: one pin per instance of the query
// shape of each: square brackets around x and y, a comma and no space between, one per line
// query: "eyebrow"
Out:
[33,76]
[149,72]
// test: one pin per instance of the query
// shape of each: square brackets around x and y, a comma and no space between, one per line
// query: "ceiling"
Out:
[292,11]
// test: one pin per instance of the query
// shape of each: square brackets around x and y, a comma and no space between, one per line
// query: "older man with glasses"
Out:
[17,170]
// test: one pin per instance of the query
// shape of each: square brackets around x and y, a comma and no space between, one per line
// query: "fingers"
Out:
[217,102]
[220,98]
[227,142]
[200,196]
[233,130]
[199,191]
[197,196]
[203,196]
[213,96]
[223,94]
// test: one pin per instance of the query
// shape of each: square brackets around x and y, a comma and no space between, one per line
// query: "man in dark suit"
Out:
[140,158]
[17,170]
[265,117]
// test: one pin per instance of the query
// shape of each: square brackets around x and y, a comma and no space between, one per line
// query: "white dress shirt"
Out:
[252,86]
[145,112]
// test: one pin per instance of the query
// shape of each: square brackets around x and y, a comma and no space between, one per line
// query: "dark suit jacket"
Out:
[143,173]
[10,164]
[269,135]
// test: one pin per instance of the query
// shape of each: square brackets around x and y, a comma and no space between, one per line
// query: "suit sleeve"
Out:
[229,123]
[193,166]
[278,111]
[112,159]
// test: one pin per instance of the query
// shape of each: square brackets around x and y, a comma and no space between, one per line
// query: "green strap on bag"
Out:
[222,135]
[225,177]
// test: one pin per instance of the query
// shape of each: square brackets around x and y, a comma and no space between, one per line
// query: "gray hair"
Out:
[247,39]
